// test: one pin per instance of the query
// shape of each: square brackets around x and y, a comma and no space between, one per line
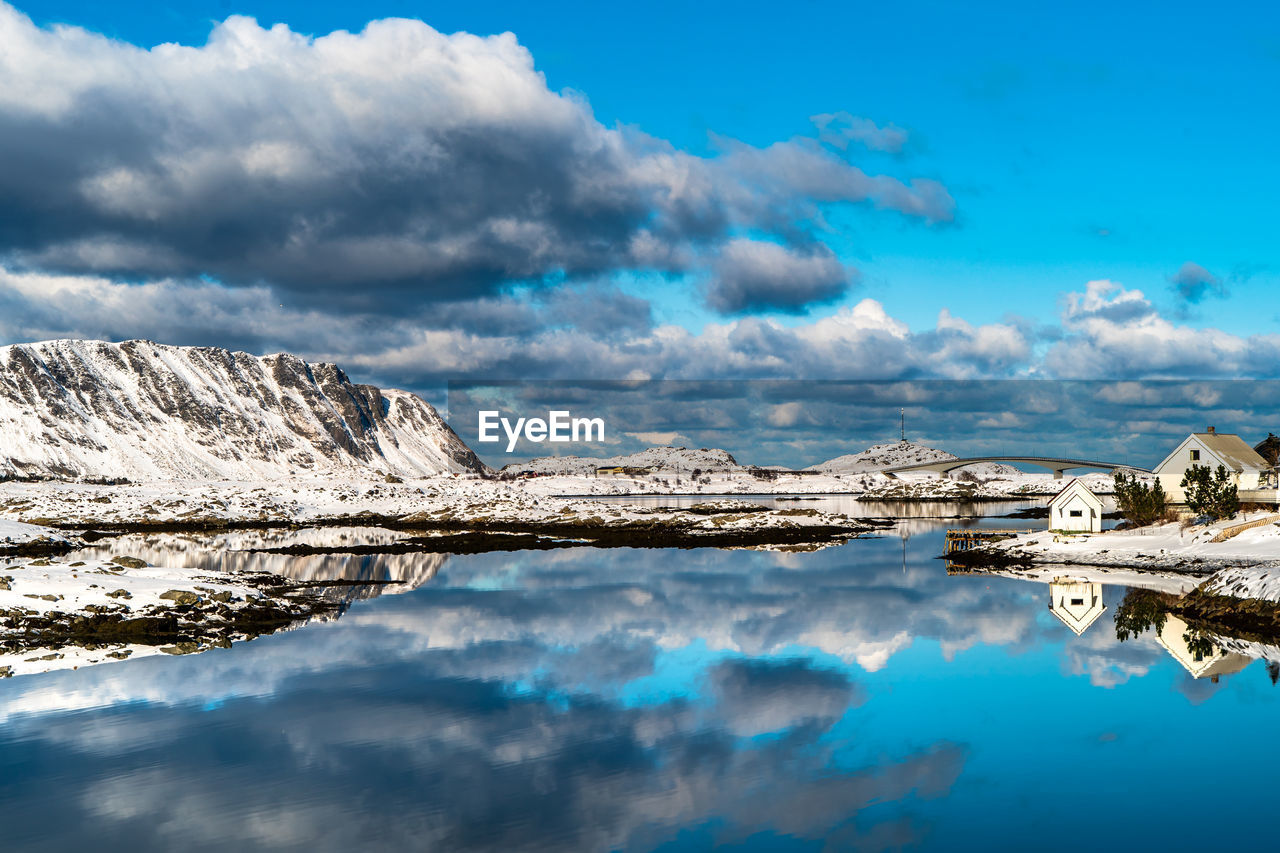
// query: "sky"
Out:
[427,192]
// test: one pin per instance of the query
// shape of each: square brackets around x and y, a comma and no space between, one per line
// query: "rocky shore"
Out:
[79,612]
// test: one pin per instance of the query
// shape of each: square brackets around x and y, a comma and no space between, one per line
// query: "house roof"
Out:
[1074,487]
[1228,447]
[1078,627]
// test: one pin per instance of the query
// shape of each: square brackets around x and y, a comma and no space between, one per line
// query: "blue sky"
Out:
[1077,145]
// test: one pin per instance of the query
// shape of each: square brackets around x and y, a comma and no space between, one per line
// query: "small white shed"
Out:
[1076,509]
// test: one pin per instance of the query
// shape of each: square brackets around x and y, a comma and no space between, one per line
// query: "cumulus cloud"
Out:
[352,167]
[1117,333]
[754,276]
[1105,301]
[1193,283]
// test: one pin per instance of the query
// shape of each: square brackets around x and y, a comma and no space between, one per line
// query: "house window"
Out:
[1076,513]
[1076,602]
[1195,456]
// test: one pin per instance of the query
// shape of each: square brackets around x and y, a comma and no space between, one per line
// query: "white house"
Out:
[1076,603]
[1251,474]
[1075,509]
[1199,662]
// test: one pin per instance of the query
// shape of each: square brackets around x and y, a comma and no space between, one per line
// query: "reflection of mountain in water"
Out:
[229,552]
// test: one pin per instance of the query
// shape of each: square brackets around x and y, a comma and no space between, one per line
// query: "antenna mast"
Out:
[902,413]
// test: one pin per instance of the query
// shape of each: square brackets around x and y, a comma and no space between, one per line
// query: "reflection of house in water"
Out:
[1076,603]
[1209,662]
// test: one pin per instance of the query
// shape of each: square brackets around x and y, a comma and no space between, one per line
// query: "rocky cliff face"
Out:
[139,410]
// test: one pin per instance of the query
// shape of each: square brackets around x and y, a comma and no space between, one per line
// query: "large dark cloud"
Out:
[369,169]
[752,276]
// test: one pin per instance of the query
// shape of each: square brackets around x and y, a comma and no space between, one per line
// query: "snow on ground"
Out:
[881,456]
[661,458]
[671,472]
[1246,582]
[1165,546]
[871,484]
[15,535]
[448,502]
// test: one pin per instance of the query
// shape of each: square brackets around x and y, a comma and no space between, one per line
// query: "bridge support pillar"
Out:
[1057,473]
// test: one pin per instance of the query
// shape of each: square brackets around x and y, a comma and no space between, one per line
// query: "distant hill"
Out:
[657,458]
[881,456]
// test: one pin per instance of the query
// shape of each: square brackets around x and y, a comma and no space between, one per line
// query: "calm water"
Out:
[852,698]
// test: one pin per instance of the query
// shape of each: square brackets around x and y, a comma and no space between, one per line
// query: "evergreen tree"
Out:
[1212,494]
[1139,503]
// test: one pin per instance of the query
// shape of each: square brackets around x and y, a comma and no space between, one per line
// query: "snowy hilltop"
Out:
[881,456]
[654,458]
[144,411]
[667,470]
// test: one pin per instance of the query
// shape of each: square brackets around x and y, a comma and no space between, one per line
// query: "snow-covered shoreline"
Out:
[70,613]
[450,504]
[32,539]
[1191,549]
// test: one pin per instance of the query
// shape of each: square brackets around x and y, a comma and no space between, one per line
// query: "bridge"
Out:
[1057,466]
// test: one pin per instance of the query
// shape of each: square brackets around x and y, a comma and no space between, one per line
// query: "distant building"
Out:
[1249,471]
[1200,662]
[629,470]
[1075,509]
[1076,603]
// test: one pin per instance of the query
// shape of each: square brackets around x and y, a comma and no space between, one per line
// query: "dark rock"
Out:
[180,596]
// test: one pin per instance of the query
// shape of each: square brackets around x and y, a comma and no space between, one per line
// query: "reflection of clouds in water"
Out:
[395,757]
[566,617]
[759,696]
[1107,661]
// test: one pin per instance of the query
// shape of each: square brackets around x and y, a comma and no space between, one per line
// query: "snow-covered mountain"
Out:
[881,456]
[658,458]
[139,410]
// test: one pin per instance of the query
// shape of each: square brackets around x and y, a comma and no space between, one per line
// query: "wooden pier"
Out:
[967,538]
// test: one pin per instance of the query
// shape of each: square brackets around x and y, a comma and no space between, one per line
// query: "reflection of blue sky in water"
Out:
[627,698]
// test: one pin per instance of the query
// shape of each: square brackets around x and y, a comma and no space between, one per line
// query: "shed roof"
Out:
[1076,487]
